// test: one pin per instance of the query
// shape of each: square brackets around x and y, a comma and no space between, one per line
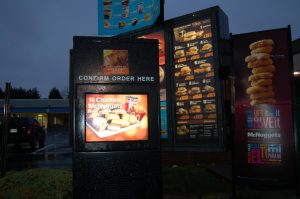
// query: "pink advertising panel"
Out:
[264,141]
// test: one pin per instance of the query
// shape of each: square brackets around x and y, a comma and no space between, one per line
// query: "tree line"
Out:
[32,93]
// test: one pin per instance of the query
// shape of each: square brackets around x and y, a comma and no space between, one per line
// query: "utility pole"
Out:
[5,129]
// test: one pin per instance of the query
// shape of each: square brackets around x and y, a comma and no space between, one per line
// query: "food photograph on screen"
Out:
[116,117]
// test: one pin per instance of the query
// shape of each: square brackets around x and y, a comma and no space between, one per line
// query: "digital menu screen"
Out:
[194,71]
[116,117]
[159,35]
[116,16]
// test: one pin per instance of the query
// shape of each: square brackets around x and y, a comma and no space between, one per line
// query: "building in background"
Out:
[53,114]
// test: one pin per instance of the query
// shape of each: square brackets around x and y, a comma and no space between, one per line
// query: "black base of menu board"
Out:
[193,148]
[126,174]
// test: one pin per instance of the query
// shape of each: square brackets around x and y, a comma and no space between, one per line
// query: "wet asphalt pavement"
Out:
[57,153]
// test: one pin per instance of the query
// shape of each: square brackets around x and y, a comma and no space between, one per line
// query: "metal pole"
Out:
[5,129]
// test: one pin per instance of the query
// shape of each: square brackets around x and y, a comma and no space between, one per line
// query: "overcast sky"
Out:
[36,35]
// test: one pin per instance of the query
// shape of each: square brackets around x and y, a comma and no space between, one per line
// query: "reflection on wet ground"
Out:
[57,153]
[39,161]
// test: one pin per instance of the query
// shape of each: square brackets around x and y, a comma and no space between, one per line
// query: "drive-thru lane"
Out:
[56,154]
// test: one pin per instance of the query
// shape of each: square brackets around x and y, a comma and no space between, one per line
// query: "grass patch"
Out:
[185,181]
[194,181]
[247,192]
[51,183]
[37,183]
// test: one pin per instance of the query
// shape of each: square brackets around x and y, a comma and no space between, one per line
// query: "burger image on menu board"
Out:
[181,91]
[185,70]
[206,66]
[182,130]
[188,36]
[195,109]
[199,70]
[182,111]
[192,51]
[189,77]
[208,108]
[200,33]
[197,96]
[208,88]
[206,47]
[179,53]
[194,90]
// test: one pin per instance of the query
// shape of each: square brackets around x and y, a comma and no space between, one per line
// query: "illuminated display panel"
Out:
[116,117]
[264,136]
[195,82]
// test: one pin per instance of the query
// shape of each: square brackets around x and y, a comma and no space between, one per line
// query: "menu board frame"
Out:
[280,165]
[219,29]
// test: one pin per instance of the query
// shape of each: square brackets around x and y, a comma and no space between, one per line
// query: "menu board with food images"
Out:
[116,17]
[116,117]
[196,114]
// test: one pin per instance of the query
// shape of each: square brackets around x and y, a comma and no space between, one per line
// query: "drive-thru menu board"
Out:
[195,87]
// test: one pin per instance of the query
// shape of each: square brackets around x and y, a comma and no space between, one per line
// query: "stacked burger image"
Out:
[260,62]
